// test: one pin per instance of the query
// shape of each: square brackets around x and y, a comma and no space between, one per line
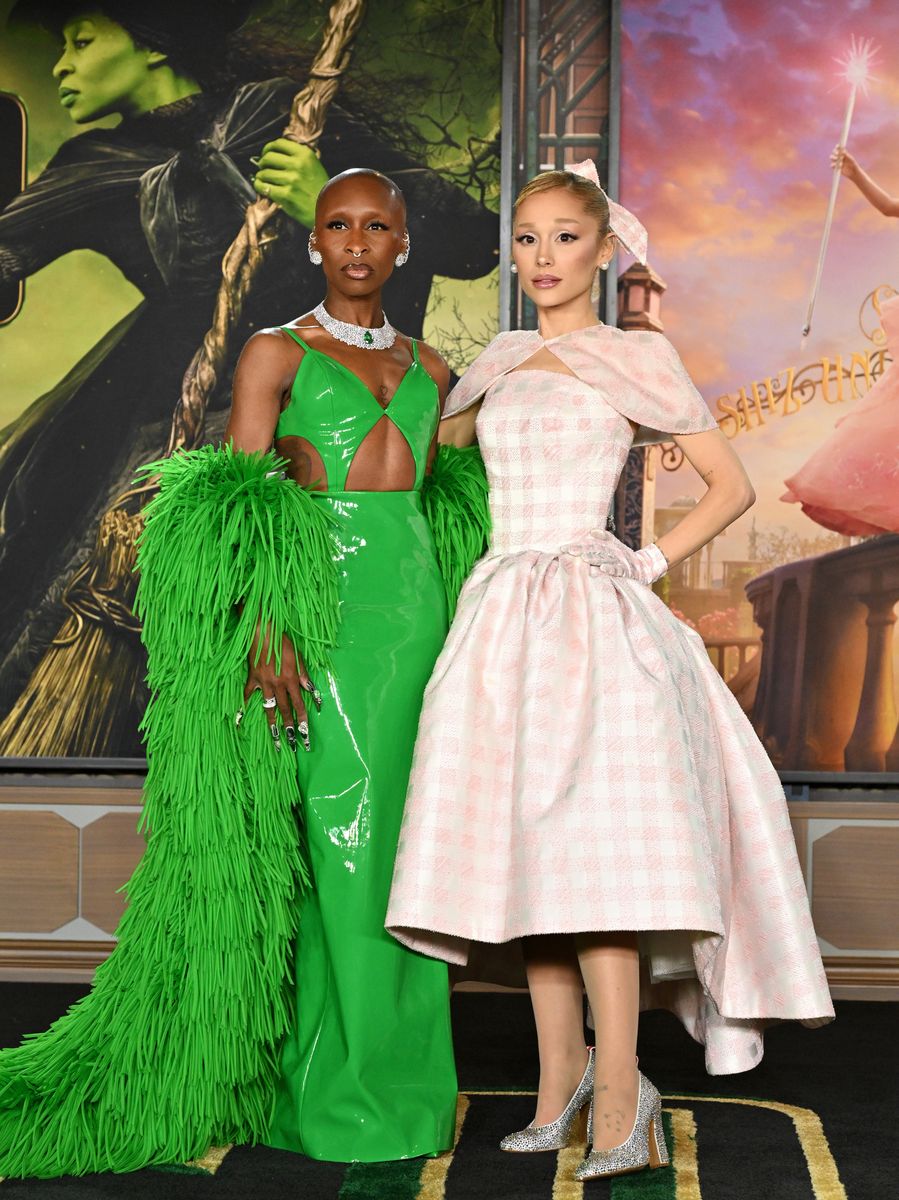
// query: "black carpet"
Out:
[817,1119]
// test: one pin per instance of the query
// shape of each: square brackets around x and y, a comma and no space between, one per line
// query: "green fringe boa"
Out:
[176,1046]
[456,506]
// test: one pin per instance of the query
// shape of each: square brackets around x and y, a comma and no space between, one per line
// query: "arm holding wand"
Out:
[871,190]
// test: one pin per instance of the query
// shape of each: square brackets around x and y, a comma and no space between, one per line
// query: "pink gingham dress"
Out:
[580,764]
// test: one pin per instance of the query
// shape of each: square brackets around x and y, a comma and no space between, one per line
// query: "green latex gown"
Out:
[367,1067]
[245,1002]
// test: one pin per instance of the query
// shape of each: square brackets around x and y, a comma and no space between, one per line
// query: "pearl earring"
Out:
[403,257]
[513,269]
[603,266]
[315,256]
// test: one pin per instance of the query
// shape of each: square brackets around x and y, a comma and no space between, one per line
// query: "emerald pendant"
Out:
[368,338]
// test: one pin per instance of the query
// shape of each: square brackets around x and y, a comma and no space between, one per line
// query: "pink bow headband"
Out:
[622,223]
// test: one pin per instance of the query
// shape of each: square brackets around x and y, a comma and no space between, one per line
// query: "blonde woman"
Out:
[583,779]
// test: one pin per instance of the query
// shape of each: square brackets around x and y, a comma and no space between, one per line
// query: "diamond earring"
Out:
[403,257]
[315,256]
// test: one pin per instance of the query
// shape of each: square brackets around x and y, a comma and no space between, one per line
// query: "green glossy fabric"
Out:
[334,410]
[367,1067]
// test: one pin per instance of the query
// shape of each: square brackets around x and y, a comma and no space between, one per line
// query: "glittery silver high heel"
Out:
[644,1148]
[557,1134]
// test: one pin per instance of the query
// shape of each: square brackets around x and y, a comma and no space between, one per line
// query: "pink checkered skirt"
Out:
[581,767]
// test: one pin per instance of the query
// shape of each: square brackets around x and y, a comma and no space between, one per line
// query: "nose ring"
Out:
[356,253]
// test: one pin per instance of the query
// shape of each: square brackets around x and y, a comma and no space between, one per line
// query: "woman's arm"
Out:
[436,366]
[460,429]
[872,192]
[264,372]
[729,494]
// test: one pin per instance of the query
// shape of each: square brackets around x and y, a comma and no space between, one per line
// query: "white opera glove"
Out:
[612,557]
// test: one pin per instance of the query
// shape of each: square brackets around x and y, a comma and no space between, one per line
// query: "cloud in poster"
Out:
[730,112]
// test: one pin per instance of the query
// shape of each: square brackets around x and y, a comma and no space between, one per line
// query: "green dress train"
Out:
[253,994]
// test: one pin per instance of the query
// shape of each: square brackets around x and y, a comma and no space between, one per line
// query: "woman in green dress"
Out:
[366,1068]
[253,994]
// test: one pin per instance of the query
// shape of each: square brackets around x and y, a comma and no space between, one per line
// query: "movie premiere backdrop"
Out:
[730,112]
[110,262]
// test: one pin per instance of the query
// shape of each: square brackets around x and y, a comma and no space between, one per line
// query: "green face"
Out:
[101,71]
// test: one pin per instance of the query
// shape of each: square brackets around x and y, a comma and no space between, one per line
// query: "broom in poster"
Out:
[83,692]
[244,256]
[856,66]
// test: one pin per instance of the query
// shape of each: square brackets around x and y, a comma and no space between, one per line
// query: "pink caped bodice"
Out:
[554,443]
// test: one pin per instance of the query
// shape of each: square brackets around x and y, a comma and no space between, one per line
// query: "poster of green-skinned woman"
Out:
[149,130]
[778,255]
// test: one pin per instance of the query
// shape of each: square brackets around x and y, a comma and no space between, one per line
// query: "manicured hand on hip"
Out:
[291,176]
[612,557]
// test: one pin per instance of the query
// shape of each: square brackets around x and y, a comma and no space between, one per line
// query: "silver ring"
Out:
[270,702]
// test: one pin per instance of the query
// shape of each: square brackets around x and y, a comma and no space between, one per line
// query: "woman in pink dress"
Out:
[583,779]
[851,482]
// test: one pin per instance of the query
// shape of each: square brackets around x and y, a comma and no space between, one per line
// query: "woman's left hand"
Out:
[612,557]
[291,176]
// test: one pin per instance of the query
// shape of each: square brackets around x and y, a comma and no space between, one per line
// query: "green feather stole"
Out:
[176,1046]
[455,498]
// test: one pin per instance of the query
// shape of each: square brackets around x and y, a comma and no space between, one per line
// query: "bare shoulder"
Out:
[269,348]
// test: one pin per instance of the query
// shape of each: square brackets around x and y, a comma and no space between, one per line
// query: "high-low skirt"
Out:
[581,766]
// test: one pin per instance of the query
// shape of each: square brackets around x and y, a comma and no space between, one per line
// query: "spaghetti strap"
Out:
[296,337]
[414,349]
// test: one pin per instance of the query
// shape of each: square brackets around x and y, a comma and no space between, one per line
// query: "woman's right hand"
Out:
[291,176]
[284,687]
[842,160]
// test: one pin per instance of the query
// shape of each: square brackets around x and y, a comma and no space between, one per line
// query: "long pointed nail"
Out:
[276,736]
[291,737]
[238,717]
[304,734]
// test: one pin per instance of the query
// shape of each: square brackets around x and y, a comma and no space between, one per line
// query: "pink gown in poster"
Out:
[580,763]
[851,483]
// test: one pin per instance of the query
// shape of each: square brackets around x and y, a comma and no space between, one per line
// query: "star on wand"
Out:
[856,64]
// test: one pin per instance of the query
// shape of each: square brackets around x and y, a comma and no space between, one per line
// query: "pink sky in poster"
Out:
[730,111]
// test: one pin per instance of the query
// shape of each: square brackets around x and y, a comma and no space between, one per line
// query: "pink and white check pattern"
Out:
[581,766]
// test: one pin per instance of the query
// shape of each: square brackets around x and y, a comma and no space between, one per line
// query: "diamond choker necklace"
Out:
[356,335]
